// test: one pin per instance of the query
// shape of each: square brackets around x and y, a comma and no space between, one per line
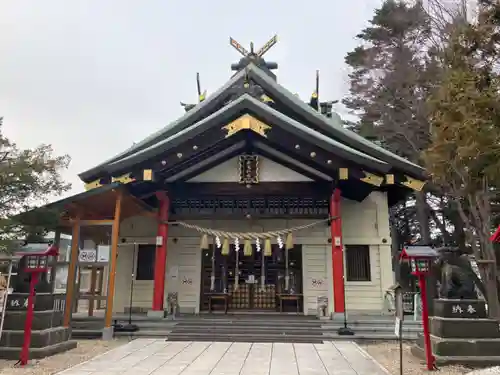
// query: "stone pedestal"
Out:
[48,336]
[461,333]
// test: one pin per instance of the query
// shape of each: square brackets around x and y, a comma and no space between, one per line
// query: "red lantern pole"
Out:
[429,358]
[23,360]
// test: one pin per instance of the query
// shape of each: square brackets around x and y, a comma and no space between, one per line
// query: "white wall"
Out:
[269,171]
[365,223]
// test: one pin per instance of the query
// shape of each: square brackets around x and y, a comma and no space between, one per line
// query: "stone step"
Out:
[253,323]
[369,328]
[371,336]
[375,322]
[245,338]
[243,331]
[359,335]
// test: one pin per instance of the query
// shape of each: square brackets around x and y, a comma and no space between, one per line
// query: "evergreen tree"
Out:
[465,117]
[28,178]
[388,88]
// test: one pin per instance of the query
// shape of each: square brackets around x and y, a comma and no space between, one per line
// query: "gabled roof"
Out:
[225,114]
[197,113]
[329,134]
[332,127]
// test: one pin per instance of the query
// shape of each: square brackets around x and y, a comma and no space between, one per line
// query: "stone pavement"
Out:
[156,357]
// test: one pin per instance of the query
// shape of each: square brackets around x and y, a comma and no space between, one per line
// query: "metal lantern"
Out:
[38,261]
[420,258]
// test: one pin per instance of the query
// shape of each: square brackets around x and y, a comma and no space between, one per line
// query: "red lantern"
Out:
[35,263]
[421,259]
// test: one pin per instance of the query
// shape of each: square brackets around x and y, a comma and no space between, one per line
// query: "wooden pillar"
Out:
[78,288]
[108,329]
[70,283]
[100,283]
[337,253]
[161,254]
[93,282]
[53,270]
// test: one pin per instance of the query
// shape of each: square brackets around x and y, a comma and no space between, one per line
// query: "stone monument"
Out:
[462,333]
[48,336]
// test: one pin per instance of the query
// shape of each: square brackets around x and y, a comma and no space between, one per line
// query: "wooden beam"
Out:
[139,204]
[72,268]
[96,222]
[193,189]
[290,166]
[112,260]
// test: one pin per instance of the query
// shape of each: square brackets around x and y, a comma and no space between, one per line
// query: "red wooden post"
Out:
[429,358]
[337,253]
[161,252]
[23,360]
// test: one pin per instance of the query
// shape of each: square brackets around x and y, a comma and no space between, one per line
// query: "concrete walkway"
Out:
[156,357]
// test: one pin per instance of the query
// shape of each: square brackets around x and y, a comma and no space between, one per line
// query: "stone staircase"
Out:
[251,328]
[372,328]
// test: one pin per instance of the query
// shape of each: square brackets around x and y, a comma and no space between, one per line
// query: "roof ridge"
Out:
[252,68]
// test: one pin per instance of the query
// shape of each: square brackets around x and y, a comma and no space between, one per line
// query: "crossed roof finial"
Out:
[266,47]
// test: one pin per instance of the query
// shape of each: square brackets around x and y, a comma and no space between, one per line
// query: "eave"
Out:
[200,111]
[331,127]
[209,132]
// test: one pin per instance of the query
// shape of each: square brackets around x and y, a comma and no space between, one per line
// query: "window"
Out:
[145,262]
[358,262]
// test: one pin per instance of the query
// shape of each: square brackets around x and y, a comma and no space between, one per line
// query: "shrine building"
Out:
[253,200]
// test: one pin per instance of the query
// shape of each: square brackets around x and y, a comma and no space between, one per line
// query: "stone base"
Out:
[13,353]
[39,339]
[156,314]
[470,361]
[464,328]
[446,347]
[339,316]
[108,333]
[14,320]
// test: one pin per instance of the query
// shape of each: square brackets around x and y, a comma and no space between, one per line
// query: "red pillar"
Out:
[28,323]
[337,253]
[429,357]
[161,252]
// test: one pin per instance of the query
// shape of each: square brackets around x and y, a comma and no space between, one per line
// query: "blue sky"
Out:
[93,76]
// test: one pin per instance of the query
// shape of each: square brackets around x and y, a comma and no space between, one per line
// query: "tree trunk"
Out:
[423,216]
[458,224]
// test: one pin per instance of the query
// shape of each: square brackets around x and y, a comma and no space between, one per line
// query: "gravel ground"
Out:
[51,365]
[387,354]
[488,371]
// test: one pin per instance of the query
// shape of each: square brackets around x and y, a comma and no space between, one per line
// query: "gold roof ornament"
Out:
[246,122]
